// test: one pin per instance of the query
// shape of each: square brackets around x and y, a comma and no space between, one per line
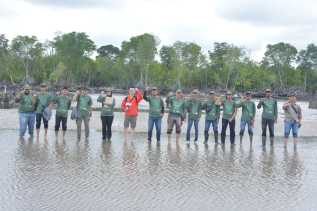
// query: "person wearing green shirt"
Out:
[248,115]
[107,107]
[193,107]
[63,103]
[176,105]
[44,101]
[269,115]
[84,103]
[212,109]
[28,103]
[228,118]
[156,113]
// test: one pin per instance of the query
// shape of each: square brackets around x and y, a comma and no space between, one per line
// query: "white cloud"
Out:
[247,23]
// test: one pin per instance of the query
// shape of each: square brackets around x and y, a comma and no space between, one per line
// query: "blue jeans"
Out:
[243,124]
[291,125]
[26,120]
[157,121]
[189,127]
[214,124]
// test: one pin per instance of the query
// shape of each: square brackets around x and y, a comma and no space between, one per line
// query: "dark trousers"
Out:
[232,126]
[39,118]
[60,120]
[214,124]
[270,124]
[157,121]
[189,127]
[106,126]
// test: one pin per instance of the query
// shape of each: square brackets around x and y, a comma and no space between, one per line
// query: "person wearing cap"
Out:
[248,115]
[269,115]
[63,103]
[212,109]
[293,118]
[176,105]
[156,113]
[45,100]
[84,103]
[228,118]
[28,103]
[193,108]
[107,107]
[130,107]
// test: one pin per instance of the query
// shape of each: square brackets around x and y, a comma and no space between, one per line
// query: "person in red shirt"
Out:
[130,106]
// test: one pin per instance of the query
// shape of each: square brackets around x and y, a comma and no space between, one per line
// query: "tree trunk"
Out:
[279,71]
[305,81]
[228,77]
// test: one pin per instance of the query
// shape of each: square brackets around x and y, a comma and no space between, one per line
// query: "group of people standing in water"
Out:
[37,108]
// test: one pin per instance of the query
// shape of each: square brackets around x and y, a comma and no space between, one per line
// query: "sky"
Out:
[251,24]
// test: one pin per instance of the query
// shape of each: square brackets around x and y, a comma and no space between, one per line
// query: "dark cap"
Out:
[228,93]
[27,87]
[195,91]
[291,95]
[108,89]
[43,85]
[248,93]
[154,88]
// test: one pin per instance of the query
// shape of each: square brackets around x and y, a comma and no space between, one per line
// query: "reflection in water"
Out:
[134,175]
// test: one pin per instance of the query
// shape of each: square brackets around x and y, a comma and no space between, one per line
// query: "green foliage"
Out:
[73,58]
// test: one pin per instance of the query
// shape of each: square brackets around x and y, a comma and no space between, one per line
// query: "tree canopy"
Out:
[74,59]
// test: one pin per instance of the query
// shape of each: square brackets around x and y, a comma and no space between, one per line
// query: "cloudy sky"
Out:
[247,23]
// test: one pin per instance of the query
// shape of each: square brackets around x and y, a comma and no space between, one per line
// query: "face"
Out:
[229,97]
[292,99]
[154,92]
[85,92]
[64,92]
[108,93]
[43,88]
[248,97]
[27,91]
[268,94]
[131,92]
[178,94]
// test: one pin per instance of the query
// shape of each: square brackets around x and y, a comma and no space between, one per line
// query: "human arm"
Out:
[162,107]
[260,104]
[275,111]
[138,95]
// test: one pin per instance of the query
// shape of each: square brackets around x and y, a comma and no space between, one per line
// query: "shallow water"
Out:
[132,175]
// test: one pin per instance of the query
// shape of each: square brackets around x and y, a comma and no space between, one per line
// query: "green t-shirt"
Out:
[84,105]
[107,109]
[26,104]
[156,105]
[63,104]
[269,108]
[248,110]
[176,106]
[194,109]
[43,101]
[212,110]
[228,109]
